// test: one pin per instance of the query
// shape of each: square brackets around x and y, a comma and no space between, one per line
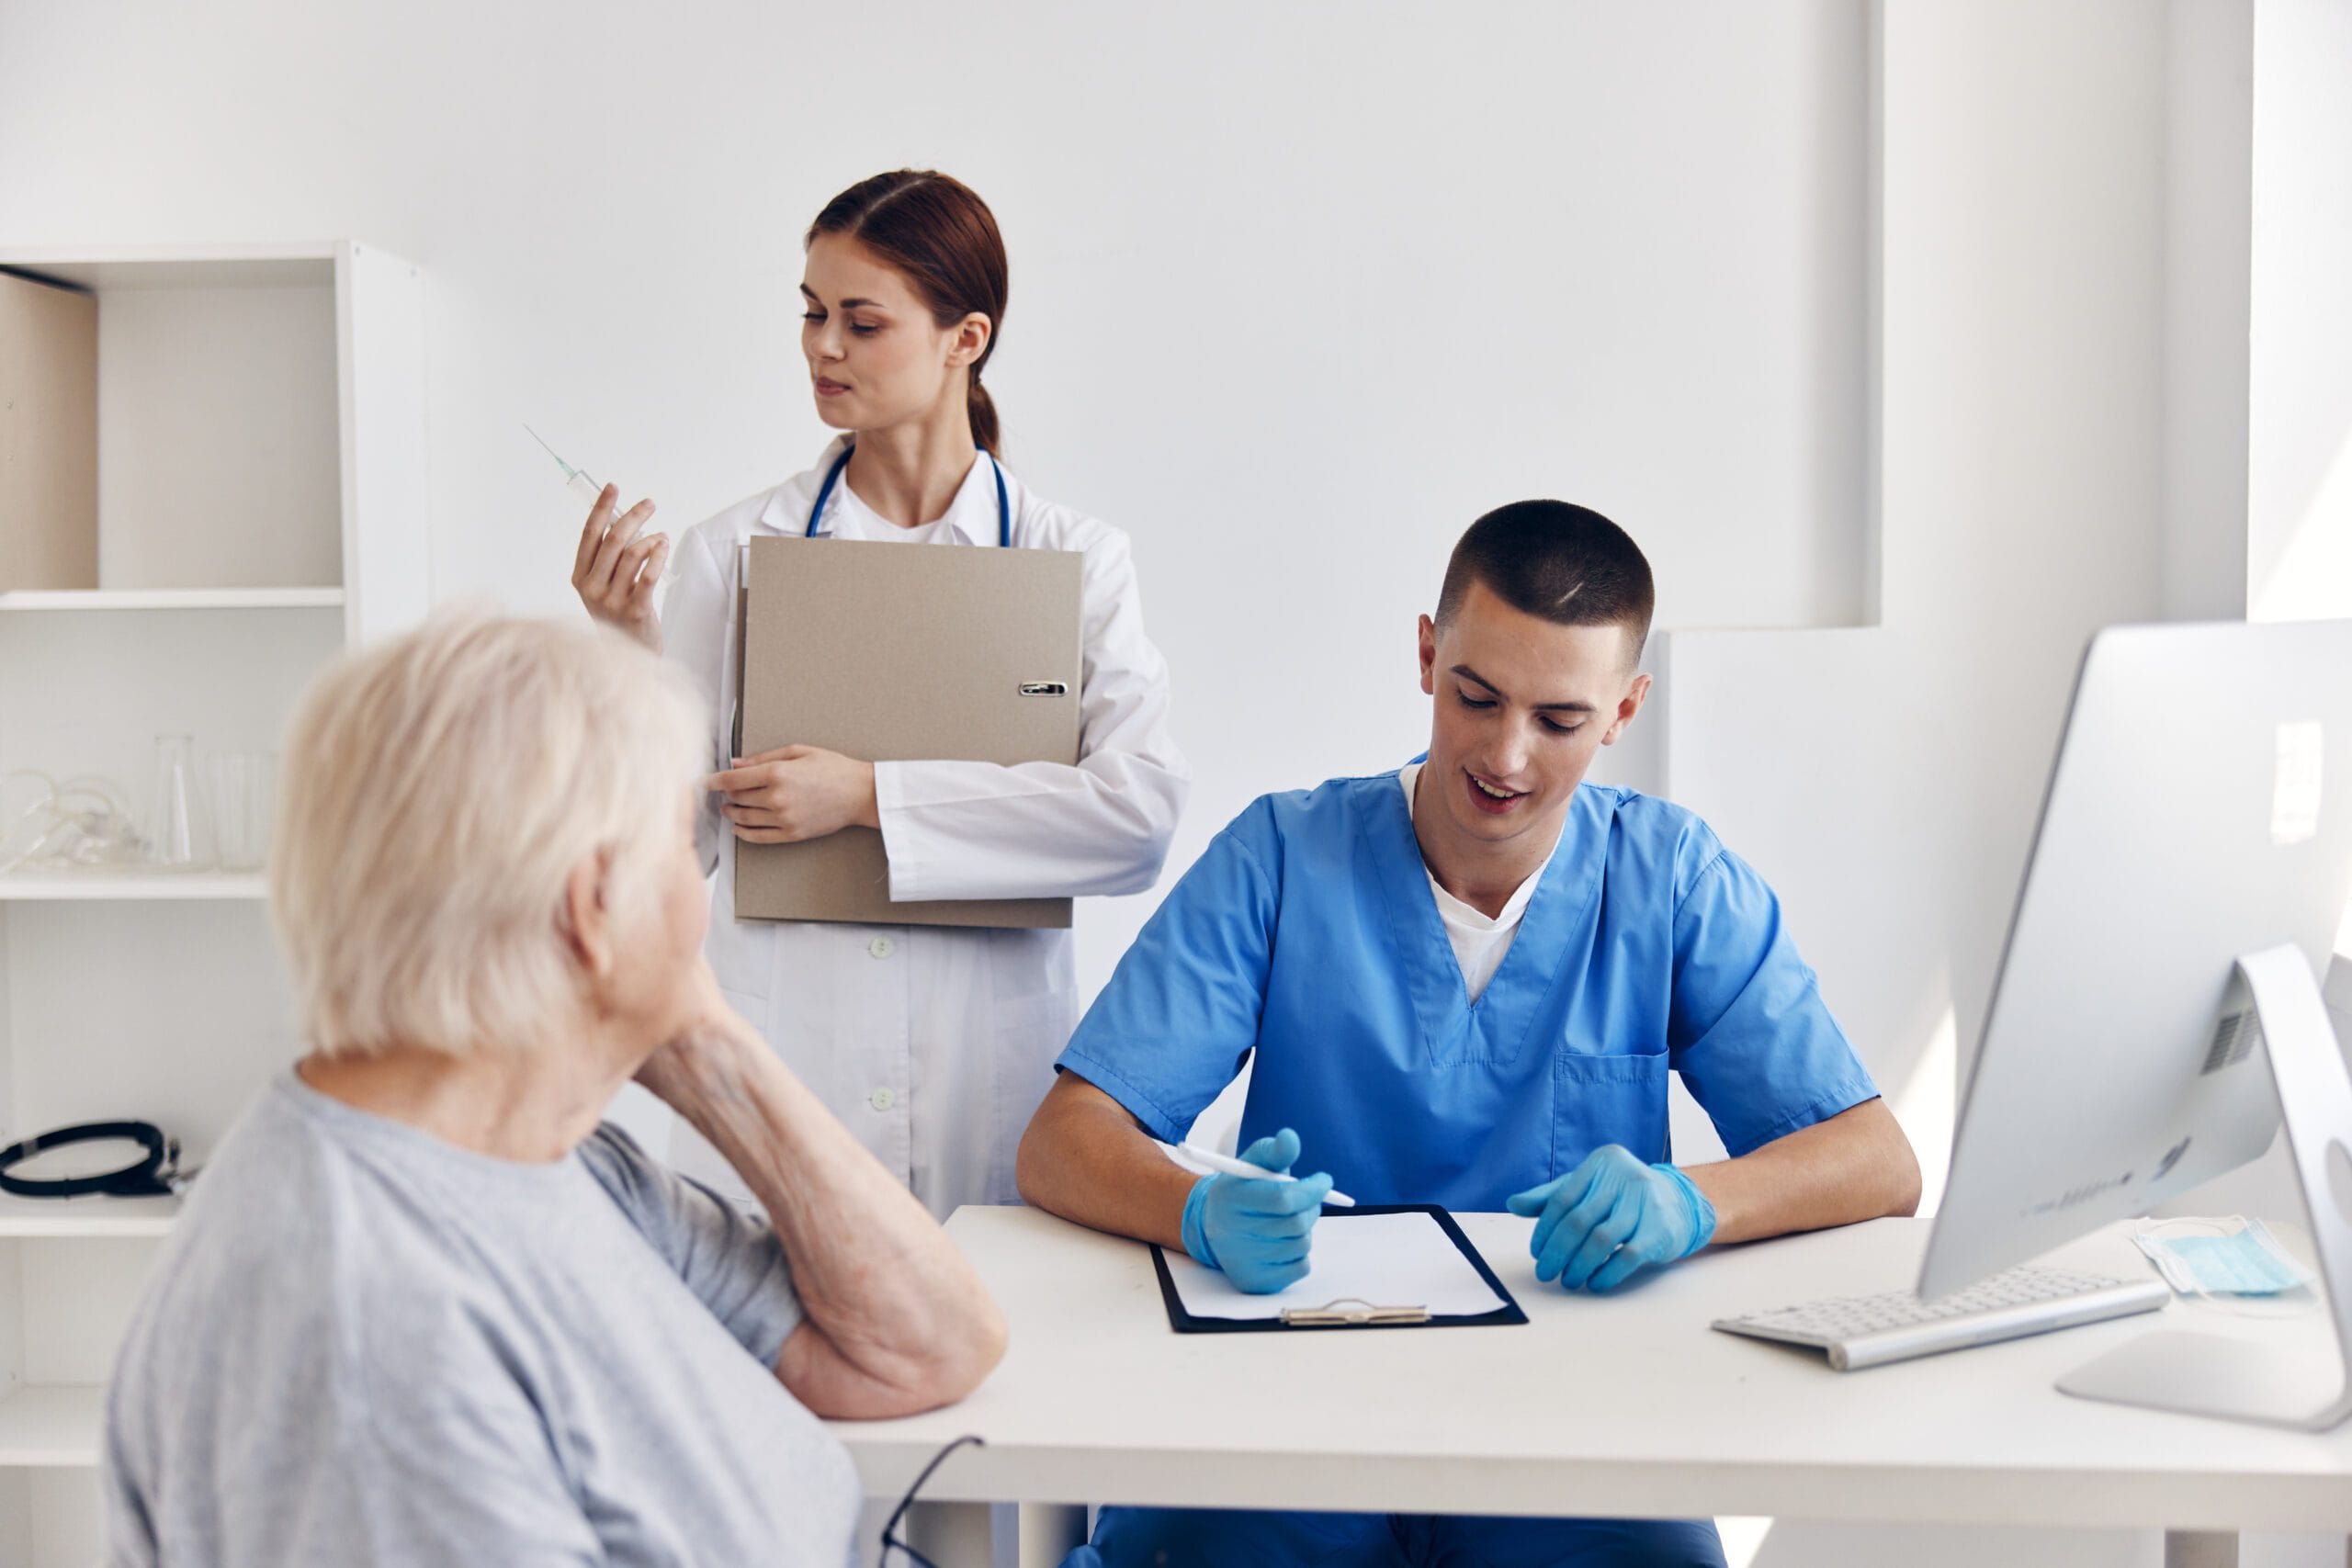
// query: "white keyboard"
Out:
[1864,1331]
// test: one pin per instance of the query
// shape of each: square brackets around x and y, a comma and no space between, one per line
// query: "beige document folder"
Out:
[49,435]
[892,653]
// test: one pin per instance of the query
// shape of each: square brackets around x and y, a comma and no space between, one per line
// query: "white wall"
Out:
[2298,552]
[1884,778]
[2208,162]
[1297,291]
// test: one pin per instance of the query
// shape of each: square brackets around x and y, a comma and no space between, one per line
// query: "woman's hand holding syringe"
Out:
[619,565]
[616,571]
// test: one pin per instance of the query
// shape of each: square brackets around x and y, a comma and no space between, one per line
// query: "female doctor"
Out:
[932,1043]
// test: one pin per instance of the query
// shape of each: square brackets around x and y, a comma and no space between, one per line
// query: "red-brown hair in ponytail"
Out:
[944,239]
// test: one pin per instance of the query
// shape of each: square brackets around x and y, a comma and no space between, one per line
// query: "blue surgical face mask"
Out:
[2243,1261]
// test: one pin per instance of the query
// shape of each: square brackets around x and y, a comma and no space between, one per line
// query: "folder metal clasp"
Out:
[1045,688]
[1349,1312]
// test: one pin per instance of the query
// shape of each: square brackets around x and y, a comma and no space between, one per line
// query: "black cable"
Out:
[890,1542]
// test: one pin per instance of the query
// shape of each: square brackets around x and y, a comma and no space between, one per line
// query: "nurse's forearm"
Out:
[1855,1166]
[1086,1159]
[906,1322]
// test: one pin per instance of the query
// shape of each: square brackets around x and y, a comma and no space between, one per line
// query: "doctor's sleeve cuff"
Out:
[1746,1139]
[1156,1118]
[902,838]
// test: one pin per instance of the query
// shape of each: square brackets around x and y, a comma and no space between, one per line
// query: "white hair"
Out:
[437,794]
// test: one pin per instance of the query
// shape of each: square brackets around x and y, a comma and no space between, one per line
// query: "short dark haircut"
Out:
[1567,564]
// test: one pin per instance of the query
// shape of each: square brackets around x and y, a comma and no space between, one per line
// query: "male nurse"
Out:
[1466,983]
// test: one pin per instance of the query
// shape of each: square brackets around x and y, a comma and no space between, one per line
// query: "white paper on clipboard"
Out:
[1382,1259]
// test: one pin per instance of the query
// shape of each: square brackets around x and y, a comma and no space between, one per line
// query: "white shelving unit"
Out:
[175,599]
[96,886]
[86,1216]
[51,1424]
[261,508]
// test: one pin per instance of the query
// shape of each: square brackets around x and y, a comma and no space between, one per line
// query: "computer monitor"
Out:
[2158,1003]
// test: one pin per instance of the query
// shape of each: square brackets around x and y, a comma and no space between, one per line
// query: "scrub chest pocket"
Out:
[1608,1100]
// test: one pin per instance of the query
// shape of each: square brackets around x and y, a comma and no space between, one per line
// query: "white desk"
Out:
[1616,1406]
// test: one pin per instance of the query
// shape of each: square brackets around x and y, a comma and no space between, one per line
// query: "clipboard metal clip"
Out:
[1351,1312]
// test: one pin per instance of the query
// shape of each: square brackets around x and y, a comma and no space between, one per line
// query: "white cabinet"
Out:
[261,507]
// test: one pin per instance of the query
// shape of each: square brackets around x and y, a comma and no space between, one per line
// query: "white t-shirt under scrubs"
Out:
[1479,942]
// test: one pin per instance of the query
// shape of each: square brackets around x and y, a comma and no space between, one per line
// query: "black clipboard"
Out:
[1183,1322]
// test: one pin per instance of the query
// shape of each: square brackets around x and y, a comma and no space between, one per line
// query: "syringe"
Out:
[577,482]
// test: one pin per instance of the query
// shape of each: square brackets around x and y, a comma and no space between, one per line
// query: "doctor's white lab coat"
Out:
[934,1044]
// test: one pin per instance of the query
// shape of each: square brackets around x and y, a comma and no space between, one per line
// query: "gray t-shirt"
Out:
[364,1346]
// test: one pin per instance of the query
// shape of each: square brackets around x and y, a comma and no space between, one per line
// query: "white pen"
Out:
[1228,1165]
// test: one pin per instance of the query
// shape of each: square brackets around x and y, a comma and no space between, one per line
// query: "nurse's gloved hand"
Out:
[1611,1217]
[1256,1231]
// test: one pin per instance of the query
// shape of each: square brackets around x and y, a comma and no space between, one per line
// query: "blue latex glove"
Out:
[1253,1230]
[1611,1217]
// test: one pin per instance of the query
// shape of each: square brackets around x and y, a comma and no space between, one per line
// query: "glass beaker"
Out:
[245,788]
[179,829]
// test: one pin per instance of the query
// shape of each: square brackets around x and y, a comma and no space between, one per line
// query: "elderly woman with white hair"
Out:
[422,1307]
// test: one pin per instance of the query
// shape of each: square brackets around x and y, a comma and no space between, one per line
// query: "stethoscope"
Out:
[832,476]
[155,1174]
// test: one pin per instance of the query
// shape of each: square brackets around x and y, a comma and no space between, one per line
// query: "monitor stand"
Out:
[2205,1374]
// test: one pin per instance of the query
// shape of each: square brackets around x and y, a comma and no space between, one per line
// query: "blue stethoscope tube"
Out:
[832,476]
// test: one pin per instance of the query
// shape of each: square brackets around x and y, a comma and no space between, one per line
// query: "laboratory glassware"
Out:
[179,829]
[245,791]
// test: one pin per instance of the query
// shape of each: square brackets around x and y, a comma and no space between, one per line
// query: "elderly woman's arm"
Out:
[897,1320]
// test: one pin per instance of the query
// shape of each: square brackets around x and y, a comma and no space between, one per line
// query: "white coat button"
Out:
[882,1098]
[880,946]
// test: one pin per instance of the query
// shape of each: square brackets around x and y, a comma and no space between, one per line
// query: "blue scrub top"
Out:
[1307,932]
